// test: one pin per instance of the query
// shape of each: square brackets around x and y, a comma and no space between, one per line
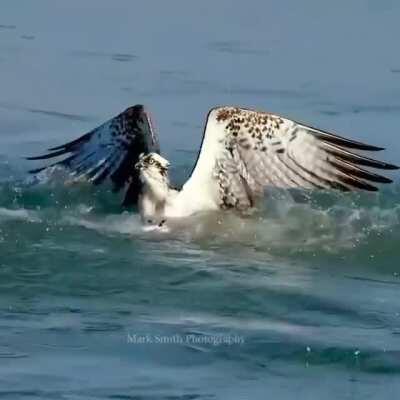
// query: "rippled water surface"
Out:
[301,300]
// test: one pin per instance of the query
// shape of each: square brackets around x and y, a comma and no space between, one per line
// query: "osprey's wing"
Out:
[109,151]
[243,151]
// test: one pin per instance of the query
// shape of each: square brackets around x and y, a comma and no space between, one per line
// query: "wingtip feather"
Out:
[342,141]
[391,166]
[48,155]
[36,170]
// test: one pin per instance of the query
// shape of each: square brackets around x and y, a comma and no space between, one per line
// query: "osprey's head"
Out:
[153,168]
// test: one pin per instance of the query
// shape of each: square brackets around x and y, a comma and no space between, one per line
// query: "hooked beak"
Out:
[139,163]
[164,171]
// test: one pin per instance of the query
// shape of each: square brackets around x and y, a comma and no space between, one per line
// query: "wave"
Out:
[289,223]
[18,214]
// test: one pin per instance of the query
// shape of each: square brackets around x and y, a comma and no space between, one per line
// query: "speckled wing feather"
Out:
[244,151]
[109,151]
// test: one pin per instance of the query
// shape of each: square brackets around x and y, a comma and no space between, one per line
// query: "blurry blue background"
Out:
[334,64]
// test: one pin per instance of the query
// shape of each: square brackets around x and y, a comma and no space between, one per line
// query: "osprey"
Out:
[242,153]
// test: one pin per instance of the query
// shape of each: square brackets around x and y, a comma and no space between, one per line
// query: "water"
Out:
[300,300]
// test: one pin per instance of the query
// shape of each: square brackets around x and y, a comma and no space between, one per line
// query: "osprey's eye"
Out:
[151,161]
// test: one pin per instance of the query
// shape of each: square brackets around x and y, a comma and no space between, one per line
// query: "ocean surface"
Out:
[301,301]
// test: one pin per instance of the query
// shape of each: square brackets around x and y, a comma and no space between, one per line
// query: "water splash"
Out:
[289,224]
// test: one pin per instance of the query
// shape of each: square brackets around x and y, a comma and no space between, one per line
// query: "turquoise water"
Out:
[301,300]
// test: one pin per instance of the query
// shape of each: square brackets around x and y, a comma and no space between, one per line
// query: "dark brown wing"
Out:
[109,151]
